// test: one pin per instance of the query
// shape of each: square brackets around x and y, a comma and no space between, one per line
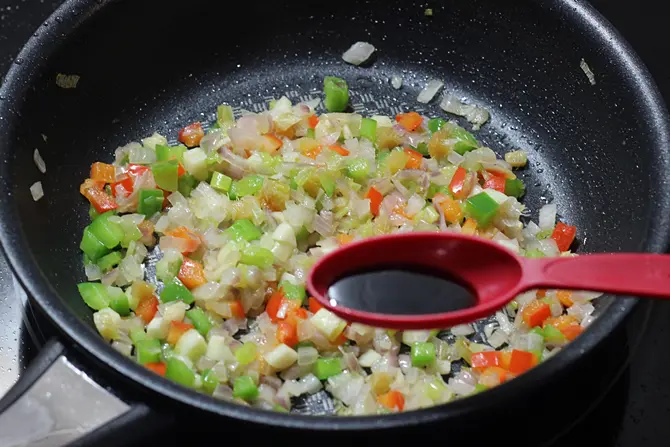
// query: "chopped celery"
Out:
[118,301]
[534,254]
[200,320]
[110,261]
[246,353]
[95,295]
[327,367]
[514,188]
[245,388]
[482,208]
[224,115]
[423,354]
[187,183]
[358,169]
[258,256]
[327,183]
[292,291]
[180,372]
[543,234]
[166,174]
[436,124]
[175,290]
[169,265]
[336,94]
[107,232]
[553,335]
[164,152]
[247,186]
[209,381]
[369,129]
[422,148]
[221,182]
[244,230]
[137,335]
[150,202]
[148,351]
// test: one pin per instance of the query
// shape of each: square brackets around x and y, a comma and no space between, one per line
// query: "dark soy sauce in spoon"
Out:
[401,291]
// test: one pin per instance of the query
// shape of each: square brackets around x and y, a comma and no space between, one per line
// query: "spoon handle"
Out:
[623,274]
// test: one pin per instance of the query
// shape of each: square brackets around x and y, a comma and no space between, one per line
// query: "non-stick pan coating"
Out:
[598,151]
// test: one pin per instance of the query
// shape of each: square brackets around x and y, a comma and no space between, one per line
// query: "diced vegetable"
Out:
[175,290]
[328,323]
[95,295]
[221,182]
[369,129]
[564,235]
[148,351]
[150,202]
[336,94]
[244,230]
[327,367]
[482,208]
[423,354]
[245,388]
[200,320]
[281,357]
[180,372]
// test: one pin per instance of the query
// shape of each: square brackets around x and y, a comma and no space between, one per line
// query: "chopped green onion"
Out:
[175,290]
[221,182]
[258,256]
[369,129]
[336,94]
[327,367]
[423,353]
[95,295]
[180,372]
[482,208]
[150,202]
[244,230]
[245,388]
[148,351]
[166,174]
[200,320]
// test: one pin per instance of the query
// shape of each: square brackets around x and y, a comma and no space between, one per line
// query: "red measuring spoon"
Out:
[495,274]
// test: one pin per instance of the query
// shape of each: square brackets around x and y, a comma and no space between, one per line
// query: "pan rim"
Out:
[29,274]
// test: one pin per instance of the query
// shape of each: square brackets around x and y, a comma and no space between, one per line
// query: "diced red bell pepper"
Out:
[573,331]
[312,121]
[287,333]
[127,184]
[236,309]
[457,184]
[314,305]
[415,159]
[521,361]
[270,144]
[191,134]
[180,170]
[192,240]
[564,235]
[496,182]
[102,172]
[410,120]
[535,312]
[392,400]
[147,308]
[375,200]
[158,367]
[101,201]
[136,169]
[177,329]
[482,360]
[273,305]
[191,273]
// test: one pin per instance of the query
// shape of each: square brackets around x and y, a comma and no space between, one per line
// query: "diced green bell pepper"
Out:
[436,124]
[175,290]
[92,212]
[164,153]
[537,330]
[246,353]
[200,320]
[358,169]
[479,388]
[245,388]
[327,367]
[369,129]
[247,186]
[118,301]
[150,202]
[293,291]
[180,372]
[336,94]
[138,334]
[244,230]
[109,233]
[221,182]
[423,353]
[514,187]
[187,183]
[482,208]
[92,246]
[148,351]
[465,141]
[95,294]
[422,148]
[209,381]
[553,335]
[110,261]
[258,256]
[166,174]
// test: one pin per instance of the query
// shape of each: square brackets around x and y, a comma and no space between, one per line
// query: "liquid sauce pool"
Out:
[401,291]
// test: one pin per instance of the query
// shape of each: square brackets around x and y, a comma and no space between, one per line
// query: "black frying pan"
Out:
[600,152]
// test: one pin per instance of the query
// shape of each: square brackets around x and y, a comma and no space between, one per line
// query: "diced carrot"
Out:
[177,329]
[270,144]
[482,360]
[191,273]
[521,361]
[450,207]
[191,134]
[343,238]
[415,159]
[564,235]
[314,305]
[410,120]
[158,367]
[313,153]
[147,307]
[571,332]
[339,149]
[496,182]
[312,121]
[375,200]
[565,297]
[236,309]
[535,312]
[392,400]
[192,240]
[287,334]
[102,172]
[457,184]
[273,305]
[469,227]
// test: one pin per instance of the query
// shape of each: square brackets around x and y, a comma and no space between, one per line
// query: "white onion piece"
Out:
[462,329]
[497,339]
[505,325]
[36,191]
[587,71]
[396,82]
[93,272]
[110,277]
[455,158]
[429,91]
[178,243]
[474,114]
[323,223]
[39,162]
[548,216]
[358,53]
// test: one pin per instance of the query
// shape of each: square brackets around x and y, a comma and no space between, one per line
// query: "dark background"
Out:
[643,391]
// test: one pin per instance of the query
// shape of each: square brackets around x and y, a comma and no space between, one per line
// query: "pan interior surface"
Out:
[594,150]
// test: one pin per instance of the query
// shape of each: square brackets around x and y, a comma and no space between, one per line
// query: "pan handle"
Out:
[55,403]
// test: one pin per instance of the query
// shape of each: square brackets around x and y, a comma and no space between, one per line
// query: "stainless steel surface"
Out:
[11,310]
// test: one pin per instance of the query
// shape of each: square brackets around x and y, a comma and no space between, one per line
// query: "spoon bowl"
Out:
[494,275]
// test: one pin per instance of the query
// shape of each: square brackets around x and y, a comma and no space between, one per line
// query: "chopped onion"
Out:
[323,223]
[505,325]
[93,272]
[587,71]
[358,53]
[36,191]
[110,277]
[178,243]
[497,339]
[474,114]
[462,329]
[39,161]
[307,355]
[547,216]
[429,91]
[396,82]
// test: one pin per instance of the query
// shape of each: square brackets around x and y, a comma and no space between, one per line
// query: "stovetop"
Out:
[636,409]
